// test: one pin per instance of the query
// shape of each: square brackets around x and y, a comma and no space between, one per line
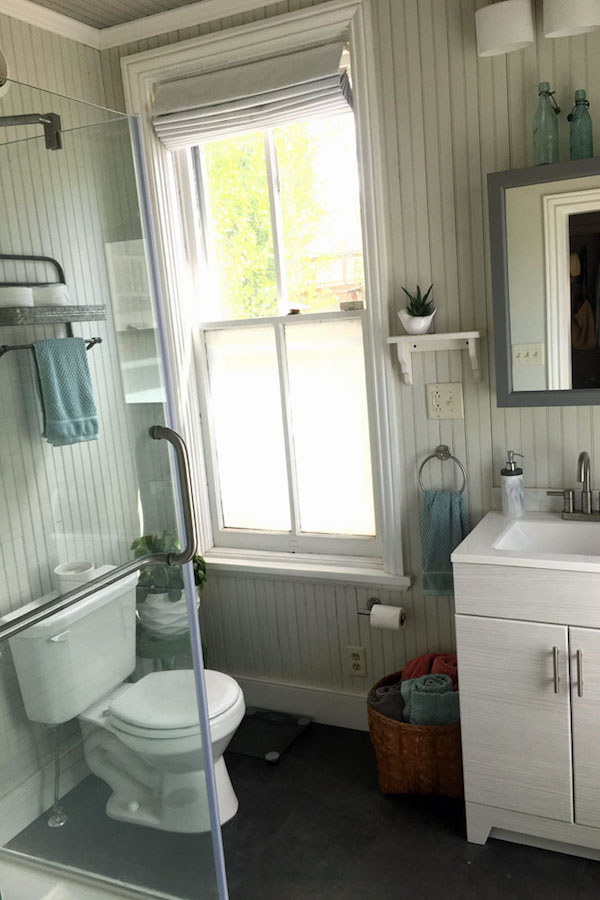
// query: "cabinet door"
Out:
[515,718]
[585,702]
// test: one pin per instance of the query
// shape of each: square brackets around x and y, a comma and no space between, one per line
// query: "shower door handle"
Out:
[161,432]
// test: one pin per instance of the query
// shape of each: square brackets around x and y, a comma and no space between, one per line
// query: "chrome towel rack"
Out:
[44,315]
[6,348]
[443,453]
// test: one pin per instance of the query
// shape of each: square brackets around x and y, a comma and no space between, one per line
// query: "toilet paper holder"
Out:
[373,601]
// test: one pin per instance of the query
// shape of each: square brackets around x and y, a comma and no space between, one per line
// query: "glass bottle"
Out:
[582,146]
[545,128]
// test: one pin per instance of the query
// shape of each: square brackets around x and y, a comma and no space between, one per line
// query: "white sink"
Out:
[556,535]
[538,540]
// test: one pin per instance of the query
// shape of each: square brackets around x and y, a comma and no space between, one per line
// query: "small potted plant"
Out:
[159,593]
[418,314]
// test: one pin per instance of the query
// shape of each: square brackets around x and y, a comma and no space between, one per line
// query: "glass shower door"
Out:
[105,759]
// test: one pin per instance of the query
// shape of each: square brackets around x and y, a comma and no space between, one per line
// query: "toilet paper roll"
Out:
[389,618]
[70,575]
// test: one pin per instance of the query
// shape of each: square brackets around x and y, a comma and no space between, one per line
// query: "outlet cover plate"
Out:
[355,661]
[445,401]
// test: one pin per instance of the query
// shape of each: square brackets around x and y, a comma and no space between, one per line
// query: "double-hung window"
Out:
[284,367]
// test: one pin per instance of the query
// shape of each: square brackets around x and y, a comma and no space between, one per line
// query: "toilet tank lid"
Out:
[168,699]
[66,617]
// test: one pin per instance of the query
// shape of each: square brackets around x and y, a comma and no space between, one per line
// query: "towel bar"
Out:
[443,452]
[6,348]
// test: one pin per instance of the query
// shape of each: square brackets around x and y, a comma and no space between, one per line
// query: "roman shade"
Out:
[264,94]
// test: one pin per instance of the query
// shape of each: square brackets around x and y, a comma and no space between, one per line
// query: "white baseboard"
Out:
[325,706]
[32,798]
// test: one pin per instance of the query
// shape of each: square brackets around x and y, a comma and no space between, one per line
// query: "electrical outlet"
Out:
[355,659]
[528,354]
[445,401]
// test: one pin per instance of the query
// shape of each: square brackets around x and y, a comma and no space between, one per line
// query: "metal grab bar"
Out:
[18,623]
[161,432]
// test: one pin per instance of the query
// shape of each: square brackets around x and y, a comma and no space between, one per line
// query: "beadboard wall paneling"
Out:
[297,632]
[56,503]
[110,12]
[111,59]
[51,62]
[78,501]
[448,119]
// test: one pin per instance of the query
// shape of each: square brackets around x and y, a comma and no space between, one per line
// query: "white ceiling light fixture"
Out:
[562,19]
[504,27]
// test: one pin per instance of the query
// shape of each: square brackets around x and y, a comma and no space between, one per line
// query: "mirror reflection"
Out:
[584,280]
[553,269]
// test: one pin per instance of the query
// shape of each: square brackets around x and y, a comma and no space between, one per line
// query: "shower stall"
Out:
[76,259]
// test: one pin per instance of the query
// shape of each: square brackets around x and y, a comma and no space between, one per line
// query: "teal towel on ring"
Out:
[443,527]
[66,393]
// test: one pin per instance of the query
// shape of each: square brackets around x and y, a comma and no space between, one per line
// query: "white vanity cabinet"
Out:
[515,716]
[585,706]
[528,645]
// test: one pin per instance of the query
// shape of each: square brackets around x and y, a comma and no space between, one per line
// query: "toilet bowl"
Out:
[144,740]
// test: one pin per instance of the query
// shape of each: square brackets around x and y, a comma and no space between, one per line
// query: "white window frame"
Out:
[333,21]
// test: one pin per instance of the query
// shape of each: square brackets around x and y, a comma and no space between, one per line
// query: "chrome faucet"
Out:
[584,477]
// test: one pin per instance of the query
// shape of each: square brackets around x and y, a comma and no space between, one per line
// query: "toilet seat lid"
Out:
[167,700]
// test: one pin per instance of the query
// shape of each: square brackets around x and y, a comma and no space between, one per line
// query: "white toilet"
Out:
[142,738]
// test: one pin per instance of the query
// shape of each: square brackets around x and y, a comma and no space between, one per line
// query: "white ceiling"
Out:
[104,13]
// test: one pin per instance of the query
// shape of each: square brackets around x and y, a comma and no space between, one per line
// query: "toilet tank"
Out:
[71,659]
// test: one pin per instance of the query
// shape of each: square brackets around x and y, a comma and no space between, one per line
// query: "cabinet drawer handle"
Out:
[556,675]
[580,673]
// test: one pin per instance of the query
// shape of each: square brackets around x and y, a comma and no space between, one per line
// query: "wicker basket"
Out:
[416,759]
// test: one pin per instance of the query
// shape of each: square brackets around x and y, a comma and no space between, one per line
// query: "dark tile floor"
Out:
[315,826]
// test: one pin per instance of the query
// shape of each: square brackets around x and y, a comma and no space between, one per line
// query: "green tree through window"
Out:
[322,247]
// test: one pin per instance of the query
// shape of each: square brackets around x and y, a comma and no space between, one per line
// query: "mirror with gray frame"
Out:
[545,254]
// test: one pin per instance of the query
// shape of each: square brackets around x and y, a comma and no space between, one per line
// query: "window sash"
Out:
[294,541]
[276,213]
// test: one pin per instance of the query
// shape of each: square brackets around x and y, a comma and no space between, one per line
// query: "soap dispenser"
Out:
[513,500]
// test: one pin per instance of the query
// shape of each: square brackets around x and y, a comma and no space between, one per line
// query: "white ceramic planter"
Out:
[416,324]
[163,618]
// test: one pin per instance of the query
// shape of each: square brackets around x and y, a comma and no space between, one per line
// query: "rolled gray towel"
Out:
[388,701]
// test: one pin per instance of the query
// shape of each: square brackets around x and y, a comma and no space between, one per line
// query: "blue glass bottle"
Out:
[545,128]
[582,146]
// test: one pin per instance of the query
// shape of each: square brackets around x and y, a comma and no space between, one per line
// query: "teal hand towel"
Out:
[443,527]
[433,702]
[406,688]
[66,393]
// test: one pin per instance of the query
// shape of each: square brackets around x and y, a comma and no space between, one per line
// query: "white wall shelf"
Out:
[407,344]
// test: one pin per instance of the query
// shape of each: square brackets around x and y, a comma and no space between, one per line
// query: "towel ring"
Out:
[443,452]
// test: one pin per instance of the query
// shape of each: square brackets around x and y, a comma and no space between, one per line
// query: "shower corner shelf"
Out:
[50,315]
[407,344]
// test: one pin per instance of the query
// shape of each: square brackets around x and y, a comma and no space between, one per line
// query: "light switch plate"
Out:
[528,354]
[445,401]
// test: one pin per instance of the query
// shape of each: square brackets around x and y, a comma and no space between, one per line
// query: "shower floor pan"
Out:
[25,879]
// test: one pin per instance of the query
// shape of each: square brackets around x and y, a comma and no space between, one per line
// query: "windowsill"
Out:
[309,566]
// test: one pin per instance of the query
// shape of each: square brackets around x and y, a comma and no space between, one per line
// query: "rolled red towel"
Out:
[420,665]
[445,664]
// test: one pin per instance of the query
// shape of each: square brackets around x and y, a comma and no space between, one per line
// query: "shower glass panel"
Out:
[102,767]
